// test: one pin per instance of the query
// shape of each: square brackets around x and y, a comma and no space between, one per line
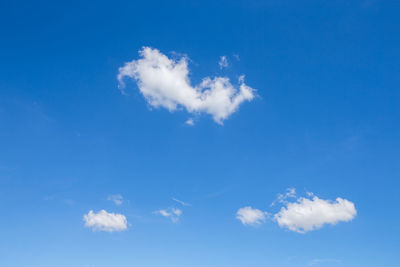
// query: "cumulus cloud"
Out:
[307,214]
[301,214]
[165,82]
[171,213]
[117,199]
[250,216]
[104,221]
[223,62]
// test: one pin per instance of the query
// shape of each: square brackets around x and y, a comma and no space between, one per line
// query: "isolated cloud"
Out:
[250,216]
[171,213]
[165,82]
[117,199]
[305,214]
[104,221]
[223,62]
[190,122]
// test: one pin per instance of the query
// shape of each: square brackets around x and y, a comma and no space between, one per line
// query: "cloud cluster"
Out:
[165,82]
[104,221]
[250,216]
[303,214]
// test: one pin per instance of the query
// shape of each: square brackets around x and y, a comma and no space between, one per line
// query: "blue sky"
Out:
[96,174]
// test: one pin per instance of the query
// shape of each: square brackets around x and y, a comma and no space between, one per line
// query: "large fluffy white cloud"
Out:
[306,214]
[250,216]
[165,82]
[104,221]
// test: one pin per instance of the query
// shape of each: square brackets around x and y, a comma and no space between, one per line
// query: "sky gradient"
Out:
[94,176]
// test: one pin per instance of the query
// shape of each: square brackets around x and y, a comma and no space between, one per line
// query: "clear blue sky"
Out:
[325,120]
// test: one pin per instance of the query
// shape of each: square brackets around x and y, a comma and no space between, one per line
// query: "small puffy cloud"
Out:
[165,83]
[306,214]
[171,213]
[104,221]
[117,199]
[190,122]
[223,62]
[250,216]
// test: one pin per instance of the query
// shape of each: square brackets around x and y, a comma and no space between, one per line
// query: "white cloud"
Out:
[164,82]
[190,122]
[302,214]
[305,214]
[104,221]
[117,199]
[250,216]
[223,62]
[281,198]
[172,213]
